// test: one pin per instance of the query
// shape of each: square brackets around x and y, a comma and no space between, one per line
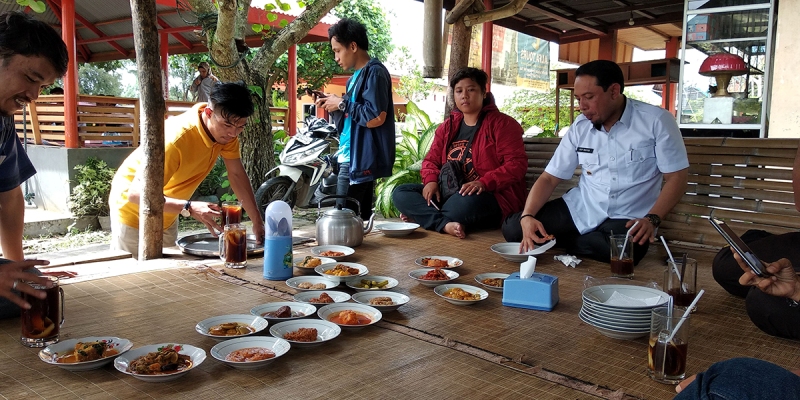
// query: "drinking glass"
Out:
[680,281]
[621,256]
[666,358]
[233,246]
[231,212]
[41,324]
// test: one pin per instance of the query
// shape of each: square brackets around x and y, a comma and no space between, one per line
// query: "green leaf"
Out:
[37,6]
[285,6]
[257,27]
[269,7]
[283,23]
[256,90]
[301,4]
[271,17]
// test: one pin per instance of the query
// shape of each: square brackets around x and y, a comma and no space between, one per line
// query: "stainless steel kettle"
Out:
[341,226]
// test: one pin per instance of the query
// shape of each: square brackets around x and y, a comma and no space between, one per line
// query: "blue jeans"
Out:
[743,378]
[479,211]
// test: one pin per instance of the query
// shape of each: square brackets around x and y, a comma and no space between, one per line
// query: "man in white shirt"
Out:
[625,148]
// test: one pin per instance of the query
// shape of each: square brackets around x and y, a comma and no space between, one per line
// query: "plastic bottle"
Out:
[278,241]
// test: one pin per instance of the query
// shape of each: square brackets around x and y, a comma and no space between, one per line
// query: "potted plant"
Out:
[90,196]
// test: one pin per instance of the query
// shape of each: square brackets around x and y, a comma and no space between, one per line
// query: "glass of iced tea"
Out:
[680,281]
[666,357]
[41,324]
[233,246]
[621,256]
[231,212]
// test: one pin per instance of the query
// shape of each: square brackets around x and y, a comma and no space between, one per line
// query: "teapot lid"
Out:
[338,211]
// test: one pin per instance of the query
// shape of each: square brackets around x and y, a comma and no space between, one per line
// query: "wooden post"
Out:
[290,120]
[459,55]
[71,78]
[151,205]
[486,47]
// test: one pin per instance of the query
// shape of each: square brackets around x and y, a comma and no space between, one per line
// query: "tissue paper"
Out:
[568,260]
[527,268]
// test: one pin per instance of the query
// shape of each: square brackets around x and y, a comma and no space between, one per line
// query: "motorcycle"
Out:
[302,167]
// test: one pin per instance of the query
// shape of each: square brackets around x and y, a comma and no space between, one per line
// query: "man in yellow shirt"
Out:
[193,141]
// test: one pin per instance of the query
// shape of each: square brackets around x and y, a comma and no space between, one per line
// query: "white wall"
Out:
[784,118]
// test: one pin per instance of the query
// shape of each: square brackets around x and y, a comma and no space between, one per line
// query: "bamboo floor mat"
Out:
[164,306]
[556,345]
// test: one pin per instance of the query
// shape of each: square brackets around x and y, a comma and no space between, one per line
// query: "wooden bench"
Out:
[745,182]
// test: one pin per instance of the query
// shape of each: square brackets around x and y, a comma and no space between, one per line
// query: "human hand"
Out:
[532,228]
[643,231]
[431,191]
[470,188]
[329,103]
[207,213]
[684,383]
[259,231]
[13,277]
[784,282]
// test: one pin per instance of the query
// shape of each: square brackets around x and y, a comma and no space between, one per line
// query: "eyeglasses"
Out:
[228,124]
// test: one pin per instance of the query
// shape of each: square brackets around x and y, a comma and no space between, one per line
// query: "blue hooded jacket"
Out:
[372,136]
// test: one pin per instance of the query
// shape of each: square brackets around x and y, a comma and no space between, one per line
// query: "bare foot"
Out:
[455,229]
[406,218]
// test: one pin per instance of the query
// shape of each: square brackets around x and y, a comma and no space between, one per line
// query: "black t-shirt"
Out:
[465,133]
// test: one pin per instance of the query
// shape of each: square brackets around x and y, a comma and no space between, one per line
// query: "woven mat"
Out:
[557,344]
[164,306]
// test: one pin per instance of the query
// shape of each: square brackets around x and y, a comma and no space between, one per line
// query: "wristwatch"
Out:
[342,106]
[186,212]
[654,219]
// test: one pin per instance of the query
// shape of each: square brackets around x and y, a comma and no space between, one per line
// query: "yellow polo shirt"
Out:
[189,155]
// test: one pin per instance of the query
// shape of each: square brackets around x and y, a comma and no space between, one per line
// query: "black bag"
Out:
[451,175]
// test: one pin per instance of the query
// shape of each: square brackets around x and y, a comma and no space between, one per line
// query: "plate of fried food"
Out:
[160,362]
[310,283]
[492,280]
[439,262]
[280,311]
[85,353]
[461,295]
[350,316]
[321,298]
[372,283]
[432,277]
[333,251]
[250,352]
[384,301]
[510,250]
[341,271]
[304,265]
[231,326]
[305,332]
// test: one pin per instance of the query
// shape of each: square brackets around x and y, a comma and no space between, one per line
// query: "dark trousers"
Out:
[771,314]
[363,192]
[557,220]
[474,212]
[743,378]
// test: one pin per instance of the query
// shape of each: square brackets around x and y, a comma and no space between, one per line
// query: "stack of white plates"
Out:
[620,311]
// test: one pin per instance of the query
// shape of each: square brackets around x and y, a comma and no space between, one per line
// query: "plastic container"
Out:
[278,241]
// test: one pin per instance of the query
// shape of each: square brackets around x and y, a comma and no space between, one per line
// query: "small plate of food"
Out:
[160,362]
[461,295]
[510,250]
[250,352]
[231,326]
[305,332]
[85,353]
[492,280]
[350,315]
[439,262]
[372,283]
[341,271]
[314,282]
[397,229]
[432,277]
[304,265]
[321,298]
[280,311]
[382,300]
[333,251]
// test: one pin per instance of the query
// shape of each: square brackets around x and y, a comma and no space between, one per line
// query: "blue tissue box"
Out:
[539,292]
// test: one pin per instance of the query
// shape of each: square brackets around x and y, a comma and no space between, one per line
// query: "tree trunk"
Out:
[459,56]
[151,97]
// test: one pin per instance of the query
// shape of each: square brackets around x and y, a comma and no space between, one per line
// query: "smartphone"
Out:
[316,93]
[756,265]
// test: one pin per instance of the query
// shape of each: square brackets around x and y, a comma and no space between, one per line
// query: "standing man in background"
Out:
[202,84]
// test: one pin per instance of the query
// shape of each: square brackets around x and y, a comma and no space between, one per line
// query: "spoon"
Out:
[283,228]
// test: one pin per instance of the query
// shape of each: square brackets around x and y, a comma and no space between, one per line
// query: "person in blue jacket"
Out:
[364,115]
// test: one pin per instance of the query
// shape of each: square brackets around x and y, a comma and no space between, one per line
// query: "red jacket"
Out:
[498,156]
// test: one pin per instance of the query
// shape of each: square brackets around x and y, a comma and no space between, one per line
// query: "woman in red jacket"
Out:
[493,168]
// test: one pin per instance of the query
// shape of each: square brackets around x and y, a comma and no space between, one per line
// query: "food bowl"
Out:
[300,270]
[299,310]
[295,282]
[348,251]
[510,250]
[418,273]
[491,275]
[305,297]
[357,284]
[441,289]
[114,347]
[397,229]
[332,310]
[398,299]
[452,262]
[277,345]
[362,270]
[326,330]
[196,355]
[257,323]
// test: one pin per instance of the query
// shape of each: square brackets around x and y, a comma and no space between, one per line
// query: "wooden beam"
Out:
[512,8]
[127,20]
[567,19]
[100,33]
[628,9]
[458,11]
[177,36]
[658,32]
[130,35]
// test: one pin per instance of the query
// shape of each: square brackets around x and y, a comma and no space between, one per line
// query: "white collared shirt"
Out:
[622,169]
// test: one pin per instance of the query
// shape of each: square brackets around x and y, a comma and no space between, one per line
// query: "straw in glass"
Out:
[669,253]
[627,235]
[685,315]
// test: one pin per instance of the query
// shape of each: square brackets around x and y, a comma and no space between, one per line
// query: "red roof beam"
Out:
[177,36]
[99,33]
[130,35]
[259,16]
[57,12]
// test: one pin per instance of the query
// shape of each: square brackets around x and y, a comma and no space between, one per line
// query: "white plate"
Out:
[255,322]
[598,295]
[362,270]
[326,312]
[276,345]
[326,330]
[452,262]
[491,275]
[313,279]
[196,354]
[417,273]
[510,250]
[377,278]
[397,229]
[611,313]
[399,299]
[332,247]
[615,323]
[439,290]
[615,334]
[306,270]
[297,308]
[51,353]
[305,297]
